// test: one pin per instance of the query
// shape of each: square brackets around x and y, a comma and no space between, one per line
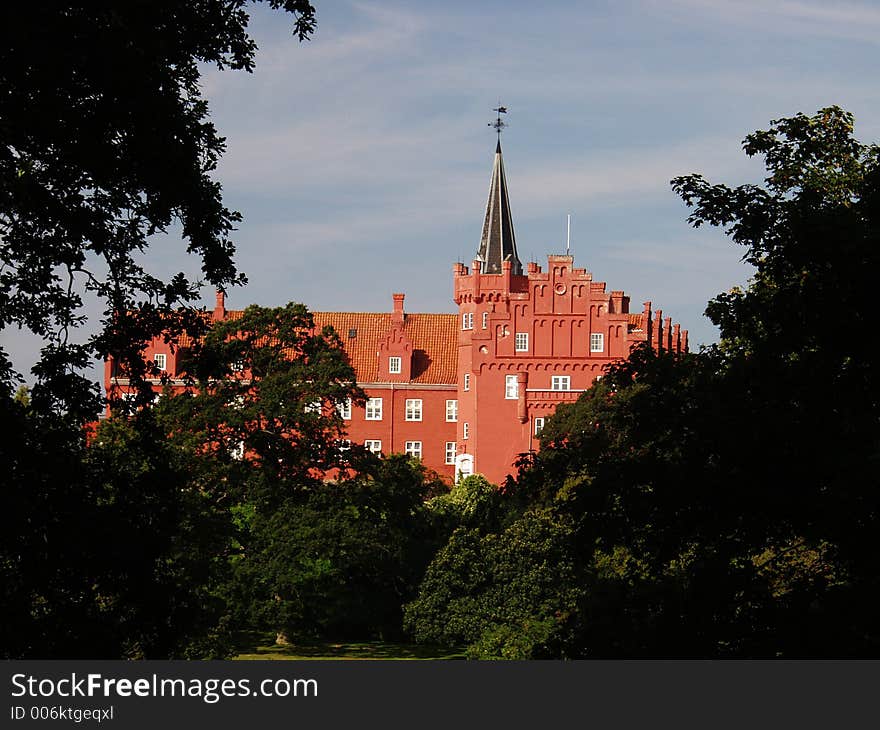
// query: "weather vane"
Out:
[498,124]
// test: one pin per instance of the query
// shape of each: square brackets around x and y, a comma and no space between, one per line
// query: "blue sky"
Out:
[360,160]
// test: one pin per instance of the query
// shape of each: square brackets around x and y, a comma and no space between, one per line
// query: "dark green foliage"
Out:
[267,385]
[509,595]
[504,582]
[105,140]
[45,580]
[312,558]
[107,550]
[339,559]
[171,538]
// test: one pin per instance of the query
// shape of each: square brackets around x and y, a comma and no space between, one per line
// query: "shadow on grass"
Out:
[258,645]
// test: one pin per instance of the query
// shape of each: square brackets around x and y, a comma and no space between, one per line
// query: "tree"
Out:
[159,590]
[106,141]
[723,503]
[267,392]
[330,539]
[472,502]
[339,560]
[508,595]
[111,550]
[45,568]
[796,355]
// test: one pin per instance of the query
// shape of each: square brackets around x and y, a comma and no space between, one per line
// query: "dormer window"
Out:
[394,365]
[160,360]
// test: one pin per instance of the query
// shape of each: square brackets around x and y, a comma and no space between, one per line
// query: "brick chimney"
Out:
[219,313]
[397,314]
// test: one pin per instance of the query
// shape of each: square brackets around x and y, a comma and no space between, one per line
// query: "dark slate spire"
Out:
[498,242]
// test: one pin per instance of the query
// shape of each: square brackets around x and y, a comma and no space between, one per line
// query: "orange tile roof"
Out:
[434,338]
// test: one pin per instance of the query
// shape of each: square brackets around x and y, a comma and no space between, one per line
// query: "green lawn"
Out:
[263,646]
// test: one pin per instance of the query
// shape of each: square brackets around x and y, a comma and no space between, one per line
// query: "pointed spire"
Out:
[498,243]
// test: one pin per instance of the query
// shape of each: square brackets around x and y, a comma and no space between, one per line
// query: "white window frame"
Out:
[539,425]
[511,387]
[467,321]
[344,409]
[450,452]
[597,342]
[237,366]
[451,411]
[485,320]
[316,406]
[521,342]
[395,365]
[373,445]
[413,449]
[560,382]
[373,409]
[465,430]
[413,409]
[343,445]
[160,359]
[467,381]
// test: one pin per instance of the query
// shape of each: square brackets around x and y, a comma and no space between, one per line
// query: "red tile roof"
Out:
[434,338]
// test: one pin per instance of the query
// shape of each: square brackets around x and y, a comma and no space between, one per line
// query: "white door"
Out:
[464,466]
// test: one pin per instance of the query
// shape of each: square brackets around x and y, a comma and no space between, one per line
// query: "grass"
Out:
[256,645]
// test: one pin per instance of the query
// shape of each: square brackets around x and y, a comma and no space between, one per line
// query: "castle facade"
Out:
[469,392]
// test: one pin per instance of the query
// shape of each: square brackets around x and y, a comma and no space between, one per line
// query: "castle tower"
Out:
[528,341]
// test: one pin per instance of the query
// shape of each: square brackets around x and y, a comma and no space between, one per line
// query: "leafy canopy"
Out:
[268,387]
[105,140]
[724,503]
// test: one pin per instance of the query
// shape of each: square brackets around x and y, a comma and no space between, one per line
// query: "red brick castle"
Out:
[468,393]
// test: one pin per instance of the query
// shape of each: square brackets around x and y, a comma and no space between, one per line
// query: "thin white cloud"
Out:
[627,173]
[831,19]
[452,201]
[379,32]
